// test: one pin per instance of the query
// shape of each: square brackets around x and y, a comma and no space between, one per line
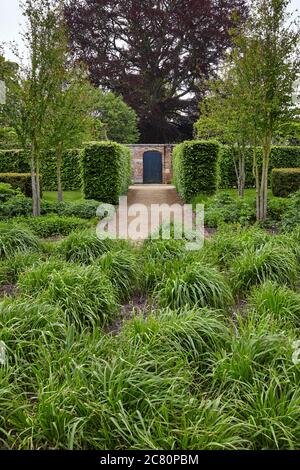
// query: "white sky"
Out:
[11,22]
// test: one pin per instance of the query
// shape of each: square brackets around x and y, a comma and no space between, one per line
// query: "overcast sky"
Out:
[11,22]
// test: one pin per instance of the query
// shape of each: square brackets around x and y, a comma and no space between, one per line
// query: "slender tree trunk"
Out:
[36,209]
[265,177]
[58,172]
[257,181]
[38,185]
[242,173]
[263,180]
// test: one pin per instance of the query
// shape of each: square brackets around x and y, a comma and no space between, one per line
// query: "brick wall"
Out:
[138,151]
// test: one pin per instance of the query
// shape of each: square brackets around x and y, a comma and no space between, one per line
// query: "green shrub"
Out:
[7,192]
[277,208]
[270,262]
[227,161]
[14,239]
[17,161]
[83,209]
[51,225]
[11,267]
[21,181]
[84,247]
[21,206]
[199,285]
[277,301]
[291,218]
[285,181]
[84,293]
[121,267]
[223,208]
[195,166]
[106,171]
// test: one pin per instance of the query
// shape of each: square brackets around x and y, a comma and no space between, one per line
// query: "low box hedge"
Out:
[285,181]
[195,168]
[106,171]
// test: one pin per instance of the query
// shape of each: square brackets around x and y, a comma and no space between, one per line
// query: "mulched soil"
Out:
[9,290]
[137,305]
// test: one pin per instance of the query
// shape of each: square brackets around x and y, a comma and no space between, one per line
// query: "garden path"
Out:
[138,219]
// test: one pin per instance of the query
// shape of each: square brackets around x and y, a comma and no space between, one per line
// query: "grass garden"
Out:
[109,345]
[113,345]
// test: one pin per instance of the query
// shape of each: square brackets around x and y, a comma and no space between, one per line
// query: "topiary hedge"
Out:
[285,181]
[21,181]
[106,171]
[195,167]
[281,157]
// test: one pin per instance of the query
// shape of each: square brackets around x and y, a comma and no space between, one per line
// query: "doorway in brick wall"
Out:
[152,167]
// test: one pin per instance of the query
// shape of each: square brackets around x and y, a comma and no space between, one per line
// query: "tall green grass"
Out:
[198,285]
[270,262]
[277,301]
[16,238]
[84,293]
[122,268]
[84,247]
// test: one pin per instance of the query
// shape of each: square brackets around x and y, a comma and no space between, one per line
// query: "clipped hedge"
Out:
[70,170]
[195,166]
[17,161]
[21,181]
[106,171]
[14,161]
[281,157]
[285,181]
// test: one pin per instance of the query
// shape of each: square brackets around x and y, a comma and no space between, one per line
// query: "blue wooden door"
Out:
[152,167]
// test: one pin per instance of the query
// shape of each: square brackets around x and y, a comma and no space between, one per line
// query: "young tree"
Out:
[117,118]
[70,115]
[223,116]
[153,53]
[267,65]
[31,90]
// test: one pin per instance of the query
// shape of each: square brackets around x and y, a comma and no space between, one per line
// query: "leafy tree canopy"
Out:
[155,53]
[117,120]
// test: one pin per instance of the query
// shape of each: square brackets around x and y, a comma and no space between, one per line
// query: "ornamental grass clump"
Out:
[84,293]
[122,268]
[27,325]
[84,247]
[270,262]
[231,241]
[12,267]
[198,285]
[277,301]
[16,238]
[195,332]
[38,278]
